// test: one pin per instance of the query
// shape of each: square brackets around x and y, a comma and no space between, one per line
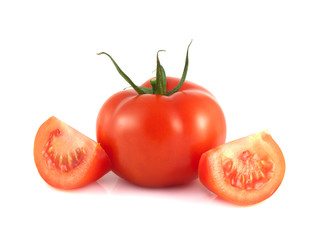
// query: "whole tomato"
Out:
[155,134]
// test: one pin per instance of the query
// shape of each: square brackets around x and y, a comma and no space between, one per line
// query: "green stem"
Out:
[153,83]
[135,87]
[184,74]
[161,79]
[159,84]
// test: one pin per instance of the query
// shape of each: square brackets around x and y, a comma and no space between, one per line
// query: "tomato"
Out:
[65,158]
[155,134]
[156,140]
[245,171]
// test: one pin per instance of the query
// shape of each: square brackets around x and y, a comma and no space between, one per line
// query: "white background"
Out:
[261,59]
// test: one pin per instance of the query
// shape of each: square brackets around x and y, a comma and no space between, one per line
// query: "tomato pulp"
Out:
[156,140]
[245,171]
[65,158]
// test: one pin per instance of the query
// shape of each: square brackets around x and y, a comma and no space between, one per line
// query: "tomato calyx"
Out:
[161,80]
[159,83]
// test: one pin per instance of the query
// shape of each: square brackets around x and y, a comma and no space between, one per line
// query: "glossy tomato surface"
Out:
[65,158]
[157,140]
[245,171]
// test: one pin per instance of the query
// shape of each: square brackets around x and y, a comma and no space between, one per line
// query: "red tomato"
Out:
[156,140]
[65,158]
[245,171]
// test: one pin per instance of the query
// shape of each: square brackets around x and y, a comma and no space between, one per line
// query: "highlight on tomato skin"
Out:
[67,159]
[245,171]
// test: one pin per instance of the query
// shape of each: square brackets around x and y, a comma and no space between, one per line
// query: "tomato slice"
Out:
[245,171]
[65,158]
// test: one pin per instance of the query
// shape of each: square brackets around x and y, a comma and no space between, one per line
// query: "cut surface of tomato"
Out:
[245,171]
[65,158]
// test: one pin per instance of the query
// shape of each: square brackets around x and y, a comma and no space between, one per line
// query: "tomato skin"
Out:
[212,174]
[94,165]
[156,140]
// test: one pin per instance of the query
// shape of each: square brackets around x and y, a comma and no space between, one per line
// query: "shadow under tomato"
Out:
[102,186]
[192,192]
[92,188]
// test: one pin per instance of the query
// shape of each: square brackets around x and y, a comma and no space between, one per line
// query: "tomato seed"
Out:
[248,171]
[61,161]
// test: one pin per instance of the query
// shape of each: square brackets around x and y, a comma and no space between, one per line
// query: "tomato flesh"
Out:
[59,159]
[248,171]
[245,171]
[65,158]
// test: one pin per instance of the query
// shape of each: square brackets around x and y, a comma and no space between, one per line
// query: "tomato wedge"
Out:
[245,171]
[67,159]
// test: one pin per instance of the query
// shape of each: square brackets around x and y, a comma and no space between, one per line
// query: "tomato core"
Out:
[248,171]
[57,157]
